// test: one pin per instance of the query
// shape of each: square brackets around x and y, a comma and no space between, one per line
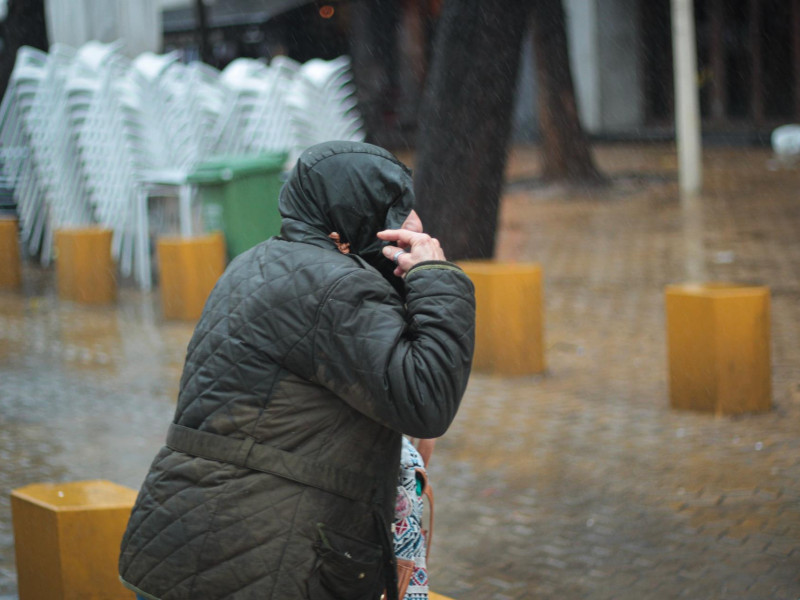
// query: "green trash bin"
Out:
[239,196]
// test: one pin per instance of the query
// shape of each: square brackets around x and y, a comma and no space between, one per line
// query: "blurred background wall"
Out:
[137,22]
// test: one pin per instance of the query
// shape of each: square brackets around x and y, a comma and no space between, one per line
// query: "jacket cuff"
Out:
[434,264]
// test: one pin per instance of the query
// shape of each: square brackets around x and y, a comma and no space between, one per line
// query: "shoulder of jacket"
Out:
[356,278]
[328,270]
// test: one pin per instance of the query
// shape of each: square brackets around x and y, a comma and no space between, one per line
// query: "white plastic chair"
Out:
[270,128]
[322,103]
[49,193]
[16,126]
[245,81]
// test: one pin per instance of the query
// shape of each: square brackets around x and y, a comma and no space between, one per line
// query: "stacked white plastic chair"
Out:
[170,117]
[184,104]
[88,135]
[40,139]
[256,119]
[16,127]
[55,149]
[287,106]
[114,147]
[271,128]
[243,84]
[322,102]
[265,124]
[29,71]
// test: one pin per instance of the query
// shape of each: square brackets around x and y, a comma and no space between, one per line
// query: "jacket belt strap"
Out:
[267,459]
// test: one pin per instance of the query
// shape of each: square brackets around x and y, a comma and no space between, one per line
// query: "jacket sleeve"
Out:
[404,366]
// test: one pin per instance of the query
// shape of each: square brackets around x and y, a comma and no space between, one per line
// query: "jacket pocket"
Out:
[347,568]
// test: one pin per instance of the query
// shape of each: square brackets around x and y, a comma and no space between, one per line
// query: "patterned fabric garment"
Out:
[409,541]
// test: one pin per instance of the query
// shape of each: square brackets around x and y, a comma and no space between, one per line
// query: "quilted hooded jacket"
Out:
[278,477]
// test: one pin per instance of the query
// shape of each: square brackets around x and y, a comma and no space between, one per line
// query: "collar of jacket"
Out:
[293,230]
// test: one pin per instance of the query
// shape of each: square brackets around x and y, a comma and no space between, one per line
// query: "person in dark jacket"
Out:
[316,351]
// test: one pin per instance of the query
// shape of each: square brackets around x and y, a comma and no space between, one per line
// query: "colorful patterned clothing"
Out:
[409,539]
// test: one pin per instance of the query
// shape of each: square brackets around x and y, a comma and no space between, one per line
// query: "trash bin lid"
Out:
[222,169]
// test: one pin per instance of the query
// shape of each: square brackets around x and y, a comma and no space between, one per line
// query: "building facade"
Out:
[621,56]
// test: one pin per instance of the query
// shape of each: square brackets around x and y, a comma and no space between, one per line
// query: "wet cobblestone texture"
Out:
[578,483]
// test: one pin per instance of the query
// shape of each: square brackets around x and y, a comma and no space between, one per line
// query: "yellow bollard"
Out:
[10,270]
[188,270]
[84,266]
[509,329]
[67,538]
[718,338]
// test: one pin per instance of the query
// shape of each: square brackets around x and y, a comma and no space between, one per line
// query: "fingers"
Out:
[404,260]
[404,236]
[409,248]
[391,251]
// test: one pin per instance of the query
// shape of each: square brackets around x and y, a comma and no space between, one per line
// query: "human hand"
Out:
[409,248]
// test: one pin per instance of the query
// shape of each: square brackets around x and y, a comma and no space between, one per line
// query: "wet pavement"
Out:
[578,483]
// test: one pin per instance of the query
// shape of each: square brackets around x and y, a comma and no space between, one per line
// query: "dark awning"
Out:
[226,13]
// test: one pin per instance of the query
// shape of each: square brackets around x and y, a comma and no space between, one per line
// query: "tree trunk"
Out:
[201,17]
[565,149]
[370,51]
[24,26]
[412,66]
[465,123]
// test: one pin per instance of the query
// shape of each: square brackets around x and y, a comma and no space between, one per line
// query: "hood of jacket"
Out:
[352,188]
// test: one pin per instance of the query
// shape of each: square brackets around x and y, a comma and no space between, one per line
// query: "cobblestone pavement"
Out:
[578,483]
